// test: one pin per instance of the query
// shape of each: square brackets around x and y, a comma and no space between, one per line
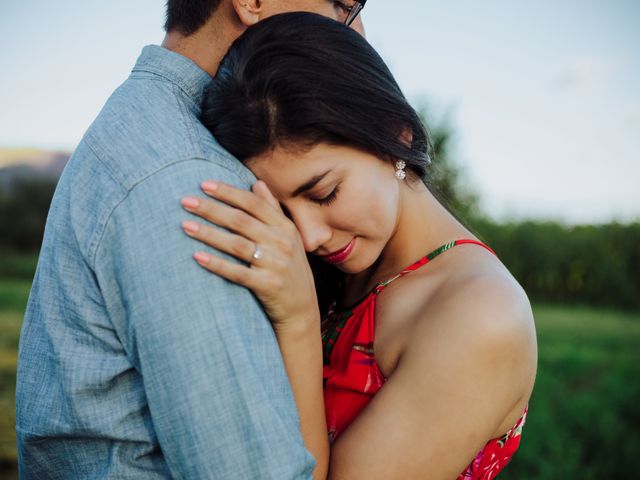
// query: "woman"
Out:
[429,361]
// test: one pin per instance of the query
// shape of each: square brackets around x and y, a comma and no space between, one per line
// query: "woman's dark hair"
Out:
[187,16]
[298,79]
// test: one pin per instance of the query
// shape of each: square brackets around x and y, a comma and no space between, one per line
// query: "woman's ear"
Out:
[406,136]
[248,11]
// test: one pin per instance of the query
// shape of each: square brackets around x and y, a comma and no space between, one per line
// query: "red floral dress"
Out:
[352,376]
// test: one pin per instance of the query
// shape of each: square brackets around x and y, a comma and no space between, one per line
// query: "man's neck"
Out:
[207,46]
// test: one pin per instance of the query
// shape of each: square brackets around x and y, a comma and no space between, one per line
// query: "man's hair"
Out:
[187,16]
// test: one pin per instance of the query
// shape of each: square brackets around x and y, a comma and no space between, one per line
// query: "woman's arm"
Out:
[463,378]
[281,279]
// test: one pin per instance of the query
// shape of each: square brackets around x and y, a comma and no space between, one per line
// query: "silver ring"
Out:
[257,254]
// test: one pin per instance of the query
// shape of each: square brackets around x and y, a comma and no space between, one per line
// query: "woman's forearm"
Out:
[301,347]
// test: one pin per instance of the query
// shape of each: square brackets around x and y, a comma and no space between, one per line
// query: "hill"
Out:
[30,164]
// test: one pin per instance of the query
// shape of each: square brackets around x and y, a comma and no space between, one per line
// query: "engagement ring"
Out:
[257,254]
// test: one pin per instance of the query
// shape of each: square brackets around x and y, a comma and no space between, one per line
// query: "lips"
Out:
[340,255]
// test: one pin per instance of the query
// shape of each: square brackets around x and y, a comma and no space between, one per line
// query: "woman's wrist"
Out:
[299,327]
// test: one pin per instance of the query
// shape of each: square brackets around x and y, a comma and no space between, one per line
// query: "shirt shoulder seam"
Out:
[127,192]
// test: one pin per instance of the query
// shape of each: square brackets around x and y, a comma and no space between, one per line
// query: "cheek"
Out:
[383,214]
[372,209]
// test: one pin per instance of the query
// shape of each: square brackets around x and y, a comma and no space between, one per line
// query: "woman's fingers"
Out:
[262,190]
[234,272]
[251,203]
[235,245]
[231,218]
[278,273]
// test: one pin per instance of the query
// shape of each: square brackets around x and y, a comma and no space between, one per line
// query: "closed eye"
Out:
[329,199]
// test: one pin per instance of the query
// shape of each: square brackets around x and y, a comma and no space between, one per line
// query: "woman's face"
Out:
[344,201]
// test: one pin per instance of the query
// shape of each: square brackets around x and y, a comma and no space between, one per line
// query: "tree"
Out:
[445,176]
[23,212]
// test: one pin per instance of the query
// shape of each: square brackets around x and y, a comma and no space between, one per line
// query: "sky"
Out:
[543,96]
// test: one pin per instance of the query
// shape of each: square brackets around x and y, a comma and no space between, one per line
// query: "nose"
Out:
[313,230]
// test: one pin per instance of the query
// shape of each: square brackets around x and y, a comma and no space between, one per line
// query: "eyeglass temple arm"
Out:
[357,8]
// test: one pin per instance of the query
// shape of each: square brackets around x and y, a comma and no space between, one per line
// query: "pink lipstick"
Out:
[341,255]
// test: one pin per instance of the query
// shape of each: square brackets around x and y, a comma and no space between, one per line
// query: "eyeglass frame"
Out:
[356,8]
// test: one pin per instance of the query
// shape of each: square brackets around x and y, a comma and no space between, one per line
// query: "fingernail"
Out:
[191,227]
[202,258]
[209,186]
[190,203]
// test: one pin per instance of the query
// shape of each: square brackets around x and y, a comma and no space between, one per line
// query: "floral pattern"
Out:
[495,455]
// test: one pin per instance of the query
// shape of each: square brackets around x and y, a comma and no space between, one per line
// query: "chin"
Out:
[356,265]
[346,268]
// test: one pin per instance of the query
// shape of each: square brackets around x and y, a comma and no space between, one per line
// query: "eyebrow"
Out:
[310,184]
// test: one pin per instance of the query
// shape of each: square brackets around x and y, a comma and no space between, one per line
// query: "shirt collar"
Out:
[175,68]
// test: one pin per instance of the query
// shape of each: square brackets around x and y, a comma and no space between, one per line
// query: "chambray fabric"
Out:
[134,362]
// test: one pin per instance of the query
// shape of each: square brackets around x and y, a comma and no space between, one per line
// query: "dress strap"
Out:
[426,259]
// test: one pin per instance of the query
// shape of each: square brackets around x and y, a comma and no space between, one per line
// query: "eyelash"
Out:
[329,199]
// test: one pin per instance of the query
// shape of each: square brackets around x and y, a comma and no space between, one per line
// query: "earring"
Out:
[400,173]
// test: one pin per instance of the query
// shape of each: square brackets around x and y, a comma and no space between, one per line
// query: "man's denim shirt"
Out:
[134,361]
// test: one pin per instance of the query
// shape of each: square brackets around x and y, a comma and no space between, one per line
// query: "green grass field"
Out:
[583,418]
[13,297]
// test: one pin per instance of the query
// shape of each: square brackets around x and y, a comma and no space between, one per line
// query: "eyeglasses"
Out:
[354,10]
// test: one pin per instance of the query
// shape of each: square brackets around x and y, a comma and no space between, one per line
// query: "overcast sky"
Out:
[543,96]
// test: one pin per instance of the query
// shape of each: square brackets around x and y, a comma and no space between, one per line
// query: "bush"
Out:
[589,264]
[23,213]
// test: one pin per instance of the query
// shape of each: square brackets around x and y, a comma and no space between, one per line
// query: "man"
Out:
[134,362]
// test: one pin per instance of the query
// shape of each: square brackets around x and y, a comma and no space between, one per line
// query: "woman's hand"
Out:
[281,279]
[260,235]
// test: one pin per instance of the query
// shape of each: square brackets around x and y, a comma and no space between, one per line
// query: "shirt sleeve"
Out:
[218,394]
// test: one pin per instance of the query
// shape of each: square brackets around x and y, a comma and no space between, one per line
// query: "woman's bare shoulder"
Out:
[485,314]
[485,299]
[471,302]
